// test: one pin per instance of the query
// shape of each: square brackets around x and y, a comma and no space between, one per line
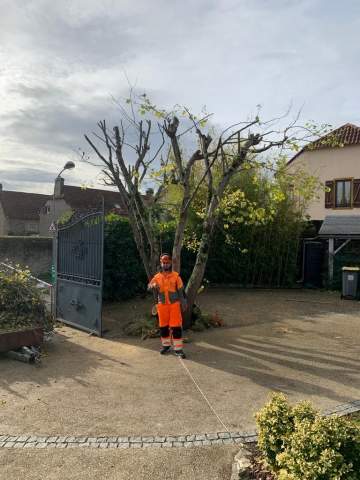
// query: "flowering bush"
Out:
[298,444]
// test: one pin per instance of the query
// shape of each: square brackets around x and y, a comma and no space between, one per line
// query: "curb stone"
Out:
[154,441]
[173,441]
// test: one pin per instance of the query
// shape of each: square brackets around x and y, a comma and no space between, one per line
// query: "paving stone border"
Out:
[344,409]
[197,440]
[155,441]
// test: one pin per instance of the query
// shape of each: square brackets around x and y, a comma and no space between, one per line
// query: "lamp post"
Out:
[68,166]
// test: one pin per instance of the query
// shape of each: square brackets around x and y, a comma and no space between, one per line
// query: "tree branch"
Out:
[171,127]
[96,150]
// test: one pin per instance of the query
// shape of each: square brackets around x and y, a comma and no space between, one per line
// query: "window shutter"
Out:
[329,195]
[356,193]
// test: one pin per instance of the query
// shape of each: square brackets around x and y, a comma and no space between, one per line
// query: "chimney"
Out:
[59,187]
[1,189]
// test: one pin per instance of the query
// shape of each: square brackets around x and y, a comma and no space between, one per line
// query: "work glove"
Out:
[154,287]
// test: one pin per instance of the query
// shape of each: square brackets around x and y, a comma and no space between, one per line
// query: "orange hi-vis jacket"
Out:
[170,287]
[170,295]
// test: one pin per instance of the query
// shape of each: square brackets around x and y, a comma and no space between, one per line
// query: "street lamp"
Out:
[68,166]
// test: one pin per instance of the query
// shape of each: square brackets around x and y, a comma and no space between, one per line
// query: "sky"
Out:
[62,64]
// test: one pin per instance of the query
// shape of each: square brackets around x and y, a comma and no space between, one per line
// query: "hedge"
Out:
[271,258]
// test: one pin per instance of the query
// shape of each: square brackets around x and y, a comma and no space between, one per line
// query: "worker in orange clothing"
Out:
[169,289]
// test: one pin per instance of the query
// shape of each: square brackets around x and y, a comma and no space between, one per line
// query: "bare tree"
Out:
[235,147]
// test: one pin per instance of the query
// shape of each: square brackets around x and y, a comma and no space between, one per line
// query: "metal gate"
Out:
[79,273]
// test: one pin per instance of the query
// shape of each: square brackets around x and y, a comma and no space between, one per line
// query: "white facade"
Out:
[338,165]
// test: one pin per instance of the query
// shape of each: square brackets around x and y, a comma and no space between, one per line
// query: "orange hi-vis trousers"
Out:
[170,318]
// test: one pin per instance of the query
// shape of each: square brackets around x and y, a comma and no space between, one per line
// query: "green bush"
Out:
[299,444]
[21,304]
[264,264]
[276,422]
[326,449]
[124,274]
[269,256]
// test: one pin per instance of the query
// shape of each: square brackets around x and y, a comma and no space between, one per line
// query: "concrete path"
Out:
[206,463]
[303,343]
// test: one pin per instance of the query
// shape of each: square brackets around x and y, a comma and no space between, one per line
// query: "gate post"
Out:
[331,260]
[54,272]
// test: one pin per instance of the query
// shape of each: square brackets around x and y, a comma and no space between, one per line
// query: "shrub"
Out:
[275,424]
[124,274]
[271,258]
[298,444]
[144,326]
[21,304]
[328,448]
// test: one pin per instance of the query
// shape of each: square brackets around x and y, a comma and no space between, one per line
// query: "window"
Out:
[32,227]
[343,193]
[46,209]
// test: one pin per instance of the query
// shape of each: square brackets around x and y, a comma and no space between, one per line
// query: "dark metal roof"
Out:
[86,199]
[22,205]
[340,226]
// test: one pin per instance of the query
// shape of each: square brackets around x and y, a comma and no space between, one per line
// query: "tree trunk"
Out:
[179,234]
[197,274]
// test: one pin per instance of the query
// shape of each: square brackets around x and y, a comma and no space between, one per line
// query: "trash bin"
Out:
[350,281]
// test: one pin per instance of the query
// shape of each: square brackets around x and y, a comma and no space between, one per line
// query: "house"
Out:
[20,212]
[32,214]
[335,160]
[69,198]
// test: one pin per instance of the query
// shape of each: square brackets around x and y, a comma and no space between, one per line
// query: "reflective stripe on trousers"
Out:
[176,334]
[166,341]
[178,344]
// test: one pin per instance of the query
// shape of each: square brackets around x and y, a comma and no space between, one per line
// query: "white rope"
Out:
[203,394]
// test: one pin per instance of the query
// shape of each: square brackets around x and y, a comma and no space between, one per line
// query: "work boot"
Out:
[180,353]
[164,350]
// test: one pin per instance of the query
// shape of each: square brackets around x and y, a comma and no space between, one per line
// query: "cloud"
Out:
[60,63]
[26,175]
[53,120]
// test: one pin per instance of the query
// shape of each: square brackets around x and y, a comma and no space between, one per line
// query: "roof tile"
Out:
[348,134]
[22,205]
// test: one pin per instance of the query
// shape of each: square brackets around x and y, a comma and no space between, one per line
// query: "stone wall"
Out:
[23,227]
[3,222]
[33,252]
